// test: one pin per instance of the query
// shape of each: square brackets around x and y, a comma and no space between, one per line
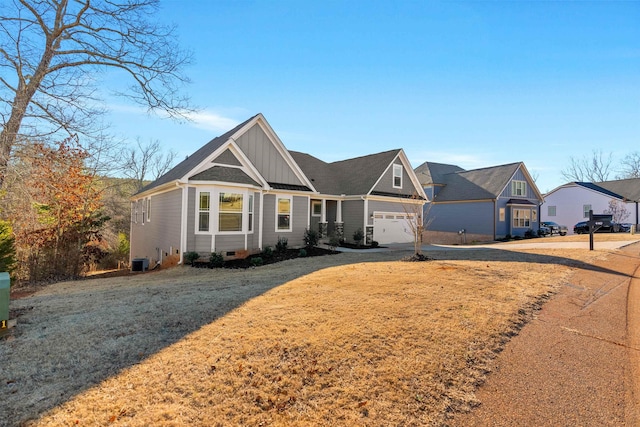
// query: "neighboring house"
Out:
[480,204]
[570,203]
[244,190]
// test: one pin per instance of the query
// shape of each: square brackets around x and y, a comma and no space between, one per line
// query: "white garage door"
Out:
[392,227]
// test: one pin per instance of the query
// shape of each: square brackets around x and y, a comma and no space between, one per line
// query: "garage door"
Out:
[392,227]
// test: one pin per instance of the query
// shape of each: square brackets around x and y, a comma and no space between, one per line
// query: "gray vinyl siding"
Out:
[299,215]
[200,243]
[253,238]
[474,217]
[352,215]
[157,238]
[265,157]
[386,182]
[229,242]
[389,207]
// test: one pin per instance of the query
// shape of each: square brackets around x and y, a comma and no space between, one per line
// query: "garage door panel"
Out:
[391,228]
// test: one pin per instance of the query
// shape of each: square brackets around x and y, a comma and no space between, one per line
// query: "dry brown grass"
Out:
[327,341]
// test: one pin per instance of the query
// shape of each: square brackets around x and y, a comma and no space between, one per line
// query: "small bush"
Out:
[310,238]
[282,244]
[302,253]
[334,242]
[7,248]
[257,261]
[374,244]
[267,252]
[358,235]
[507,237]
[216,260]
[191,257]
[528,234]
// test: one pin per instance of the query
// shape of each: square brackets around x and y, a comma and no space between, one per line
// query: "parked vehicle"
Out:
[544,231]
[556,228]
[583,228]
[625,227]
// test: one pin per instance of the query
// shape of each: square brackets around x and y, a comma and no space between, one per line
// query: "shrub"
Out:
[310,238]
[302,253]
[191,257]
[374,244]
[334,242]
[507,237]
[216,260]
[358,235]
[528,234]
[282,244]
[257,261]
[267,252]
[7,248]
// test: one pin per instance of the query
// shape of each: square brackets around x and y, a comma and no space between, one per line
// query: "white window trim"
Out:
[397,169]
[214,210]
[282,230]
[585,210]
[197,222]
[513,218]
[250,227]
[148,209]
[514,187]
[313,203]
[550,209]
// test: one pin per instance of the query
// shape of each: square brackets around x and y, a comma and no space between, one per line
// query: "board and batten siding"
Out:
[352,216]
[518,176]
[385,184]
[265,157]
[160,236]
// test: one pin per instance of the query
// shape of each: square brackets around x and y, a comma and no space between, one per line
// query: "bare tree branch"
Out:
[630,166]
[52,50]
[596,168]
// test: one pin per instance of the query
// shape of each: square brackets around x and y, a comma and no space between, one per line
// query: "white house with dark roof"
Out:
[480,204]
[244,190]
[570,203]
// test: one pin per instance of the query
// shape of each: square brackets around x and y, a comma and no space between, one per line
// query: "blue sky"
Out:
[474,84]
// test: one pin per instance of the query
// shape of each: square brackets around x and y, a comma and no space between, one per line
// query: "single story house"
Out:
[480,204]
[244,190]
[570,203]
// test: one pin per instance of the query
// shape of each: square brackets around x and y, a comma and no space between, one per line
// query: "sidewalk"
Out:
[578,362]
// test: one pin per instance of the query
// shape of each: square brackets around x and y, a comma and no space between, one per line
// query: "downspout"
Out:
[495,221]
[183,221]
[261,221]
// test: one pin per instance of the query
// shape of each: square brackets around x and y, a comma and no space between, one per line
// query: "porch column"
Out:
[323,220]
[339,224]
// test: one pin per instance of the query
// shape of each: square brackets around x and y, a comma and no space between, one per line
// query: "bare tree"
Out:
[418,221]
[52,50]
[589,169]
[146,161]
[617,210]
[630,166]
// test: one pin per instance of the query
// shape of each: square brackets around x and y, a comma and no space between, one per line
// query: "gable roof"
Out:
[355,176]
[621,189]
[599,189]
[188,164]
[626,188]
[476,184]
[430,173]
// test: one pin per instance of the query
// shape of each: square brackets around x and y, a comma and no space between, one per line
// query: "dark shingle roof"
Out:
[184,167]
[355,176]
[224,174]
[625,188]
[433,173]
[476,184]
[599,189]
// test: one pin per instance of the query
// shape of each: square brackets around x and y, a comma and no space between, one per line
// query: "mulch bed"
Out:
[276,256]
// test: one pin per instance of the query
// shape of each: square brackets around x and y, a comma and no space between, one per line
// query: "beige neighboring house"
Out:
[244,190]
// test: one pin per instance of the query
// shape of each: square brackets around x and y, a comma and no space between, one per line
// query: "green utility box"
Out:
[4,300]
